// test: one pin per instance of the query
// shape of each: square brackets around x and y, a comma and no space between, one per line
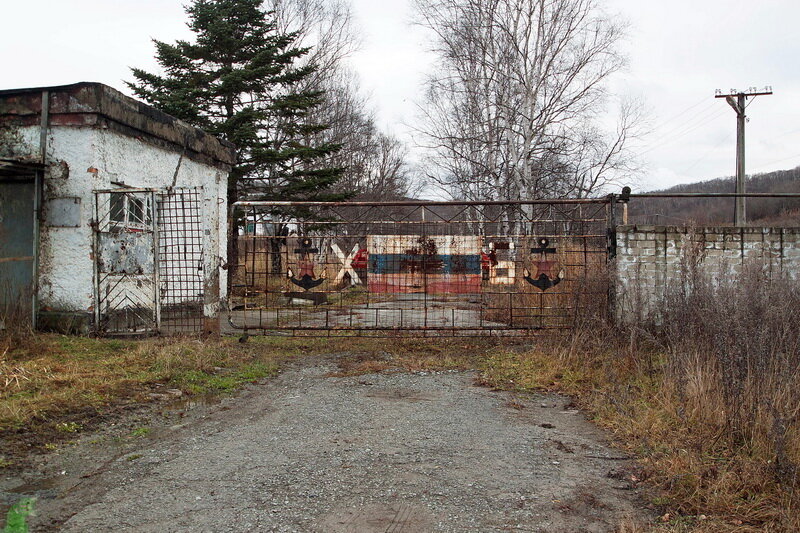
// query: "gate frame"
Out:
[152,192]
[609,234]
[158,198]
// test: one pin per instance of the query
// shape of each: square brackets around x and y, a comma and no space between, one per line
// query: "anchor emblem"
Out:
[307,280]
[548,272]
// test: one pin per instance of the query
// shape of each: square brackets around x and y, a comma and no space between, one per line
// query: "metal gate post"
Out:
[95,250]
[612,256]
[154,217]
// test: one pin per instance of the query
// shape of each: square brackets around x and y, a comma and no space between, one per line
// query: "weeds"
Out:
[68,427]
[707,393]
[140,432]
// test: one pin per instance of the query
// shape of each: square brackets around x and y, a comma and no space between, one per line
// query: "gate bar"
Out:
[421,203]
[716,195]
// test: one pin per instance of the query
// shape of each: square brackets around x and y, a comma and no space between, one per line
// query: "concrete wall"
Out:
[652,259]
[83,159]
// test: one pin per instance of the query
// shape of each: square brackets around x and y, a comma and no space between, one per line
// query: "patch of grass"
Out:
[377,355]
[202,382]
[68,427]
[5,463]
[140,432]
[134,456]
[17,517]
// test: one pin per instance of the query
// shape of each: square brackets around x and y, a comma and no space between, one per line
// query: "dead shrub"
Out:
[704,388]
[728,385]
[734,357]
[15,323]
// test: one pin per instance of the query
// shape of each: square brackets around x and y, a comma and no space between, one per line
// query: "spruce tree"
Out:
[236,81]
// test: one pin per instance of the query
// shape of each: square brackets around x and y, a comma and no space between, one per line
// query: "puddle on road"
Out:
[192,402]
[33,487]
[44,488]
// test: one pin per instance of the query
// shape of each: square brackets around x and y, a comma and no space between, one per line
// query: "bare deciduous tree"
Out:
[325,27]
[375,162]
[514,107]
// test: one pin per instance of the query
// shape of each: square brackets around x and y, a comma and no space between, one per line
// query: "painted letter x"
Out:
[347,261]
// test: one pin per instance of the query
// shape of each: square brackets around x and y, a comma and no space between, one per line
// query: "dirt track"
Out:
[381,452]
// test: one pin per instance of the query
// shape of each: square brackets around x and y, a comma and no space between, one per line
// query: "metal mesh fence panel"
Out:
[417,268]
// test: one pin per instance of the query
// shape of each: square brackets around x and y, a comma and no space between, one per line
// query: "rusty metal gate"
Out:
[420,268]
[148,252]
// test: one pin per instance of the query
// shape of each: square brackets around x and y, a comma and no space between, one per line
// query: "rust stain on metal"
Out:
[10,259]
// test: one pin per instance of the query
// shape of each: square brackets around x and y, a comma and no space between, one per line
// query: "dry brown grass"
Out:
[709,398]
[51,382]
[366,356]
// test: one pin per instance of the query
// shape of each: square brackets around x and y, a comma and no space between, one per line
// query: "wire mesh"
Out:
[180,257]
[420,269]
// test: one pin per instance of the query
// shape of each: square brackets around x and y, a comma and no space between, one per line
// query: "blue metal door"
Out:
[16,249]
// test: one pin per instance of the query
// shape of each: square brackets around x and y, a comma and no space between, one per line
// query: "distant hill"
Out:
[719,211]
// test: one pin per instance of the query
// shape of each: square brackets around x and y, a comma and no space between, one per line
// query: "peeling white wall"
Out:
[139,164]
[81,160]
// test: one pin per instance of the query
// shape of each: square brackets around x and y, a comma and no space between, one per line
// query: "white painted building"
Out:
[118,212]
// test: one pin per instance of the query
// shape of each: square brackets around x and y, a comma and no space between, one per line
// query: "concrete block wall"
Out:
[652,259]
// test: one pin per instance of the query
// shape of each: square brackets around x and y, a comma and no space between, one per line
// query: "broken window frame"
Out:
[128,212]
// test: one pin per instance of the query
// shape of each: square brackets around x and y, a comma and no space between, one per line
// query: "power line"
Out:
[702,115]
[686,110]
[705,155]
[778,161]
[678,135]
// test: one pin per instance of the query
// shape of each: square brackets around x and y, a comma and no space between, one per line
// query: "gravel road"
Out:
[392,452]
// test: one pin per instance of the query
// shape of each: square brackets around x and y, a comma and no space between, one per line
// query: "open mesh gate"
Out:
[148,251]
[421,268]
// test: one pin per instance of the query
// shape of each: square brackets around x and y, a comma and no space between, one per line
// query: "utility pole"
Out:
[737,100]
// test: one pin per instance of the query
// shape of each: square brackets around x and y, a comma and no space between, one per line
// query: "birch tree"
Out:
[516,105]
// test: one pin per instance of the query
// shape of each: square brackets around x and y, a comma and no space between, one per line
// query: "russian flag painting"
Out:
[438,264]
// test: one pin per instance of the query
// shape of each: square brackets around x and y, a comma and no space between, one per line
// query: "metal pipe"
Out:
[125,190]
[38,193]
[44,117]
[420,203]
[95,266]
[717,195]
[544,201]
[38,187]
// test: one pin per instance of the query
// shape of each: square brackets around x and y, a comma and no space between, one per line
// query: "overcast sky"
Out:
[679,53]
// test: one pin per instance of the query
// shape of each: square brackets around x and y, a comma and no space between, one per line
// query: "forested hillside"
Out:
[762,211]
